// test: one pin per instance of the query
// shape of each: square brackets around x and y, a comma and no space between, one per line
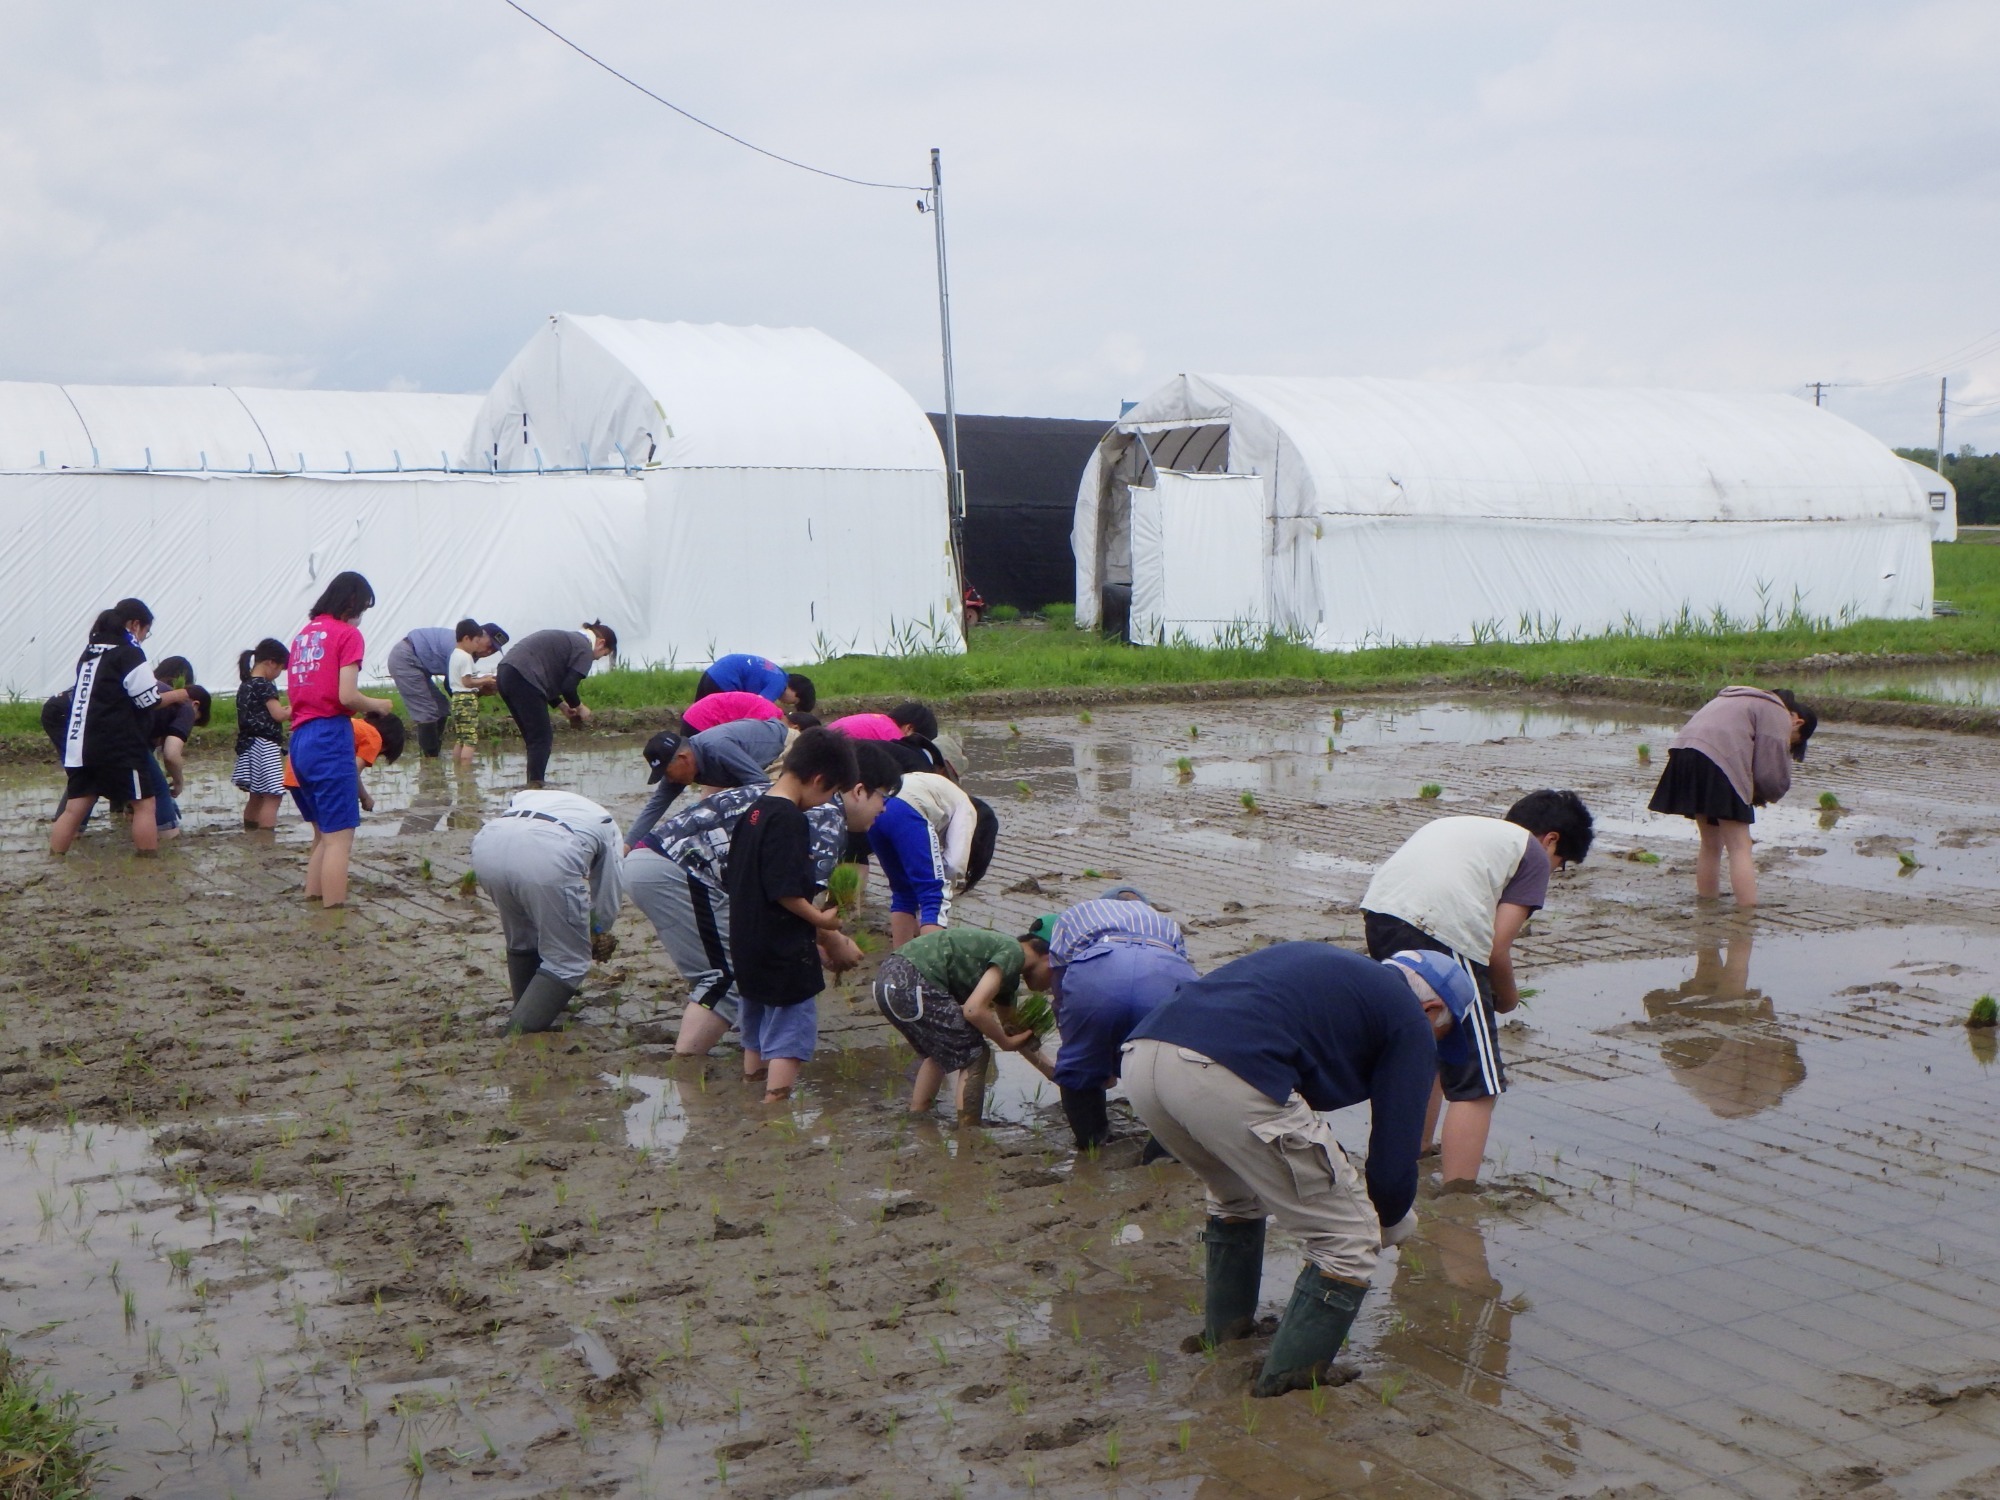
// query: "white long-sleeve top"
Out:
[585,818]
[948,809]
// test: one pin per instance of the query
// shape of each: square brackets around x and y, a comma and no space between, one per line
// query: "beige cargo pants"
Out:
[1256,1158]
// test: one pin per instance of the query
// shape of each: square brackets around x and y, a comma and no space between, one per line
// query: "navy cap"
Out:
[496,635]
[1453,986]
[660,749]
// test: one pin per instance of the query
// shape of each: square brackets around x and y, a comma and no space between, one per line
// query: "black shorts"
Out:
[117,783]
[1484,1076]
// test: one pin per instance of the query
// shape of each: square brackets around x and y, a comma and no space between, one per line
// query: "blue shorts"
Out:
[329,789]
[789,1031]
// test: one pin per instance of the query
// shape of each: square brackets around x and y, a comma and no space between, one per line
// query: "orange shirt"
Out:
[367,745]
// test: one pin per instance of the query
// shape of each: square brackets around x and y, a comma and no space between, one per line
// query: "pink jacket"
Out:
[1747,732]
[868,727]
[727,708]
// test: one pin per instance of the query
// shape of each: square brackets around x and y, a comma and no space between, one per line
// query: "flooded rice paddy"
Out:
[284,1206]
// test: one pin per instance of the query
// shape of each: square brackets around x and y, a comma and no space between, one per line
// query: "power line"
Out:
[900,187]
[1977,349]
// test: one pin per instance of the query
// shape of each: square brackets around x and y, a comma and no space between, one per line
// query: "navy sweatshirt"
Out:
[1332,1026]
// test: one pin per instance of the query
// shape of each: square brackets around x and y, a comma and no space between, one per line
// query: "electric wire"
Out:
[1979,348]
[899,187]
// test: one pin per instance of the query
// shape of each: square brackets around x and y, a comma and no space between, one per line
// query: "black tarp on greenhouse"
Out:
[1021,475]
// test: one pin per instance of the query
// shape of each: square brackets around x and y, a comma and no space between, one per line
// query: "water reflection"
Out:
[1452,1320]
[1726,1045]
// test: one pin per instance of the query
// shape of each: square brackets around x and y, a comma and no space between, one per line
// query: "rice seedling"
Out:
[1430,791]
[1111,1447]
[1645,753]
[1828,802]
[1184,1436]
[1392,1387]
[1985,1013]
[1084,717]
[1907,861]
[1249,801]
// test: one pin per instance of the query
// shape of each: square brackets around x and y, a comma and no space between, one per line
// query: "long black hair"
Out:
[268,649]
[1805,712]
[108,629]
[347,597]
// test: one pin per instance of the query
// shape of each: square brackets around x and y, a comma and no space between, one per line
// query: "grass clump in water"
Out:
[1430,791]
[1985,1014]
[1828,802]
[43,1440]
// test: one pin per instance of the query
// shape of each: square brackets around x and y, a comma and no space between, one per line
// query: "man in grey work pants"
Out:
[693,923]
[551,865]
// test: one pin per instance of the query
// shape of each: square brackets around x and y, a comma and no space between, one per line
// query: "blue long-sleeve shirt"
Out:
[1335,1027]
[904,841]
[741,672]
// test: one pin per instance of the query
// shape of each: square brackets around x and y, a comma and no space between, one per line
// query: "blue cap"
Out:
[1454,986]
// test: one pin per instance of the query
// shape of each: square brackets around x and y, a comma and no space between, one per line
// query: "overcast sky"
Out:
[364,193]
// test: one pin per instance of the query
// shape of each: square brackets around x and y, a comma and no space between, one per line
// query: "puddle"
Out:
[1972,686]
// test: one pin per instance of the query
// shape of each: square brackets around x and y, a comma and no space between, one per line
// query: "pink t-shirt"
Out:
[868,727]
[727,708]
[313,679]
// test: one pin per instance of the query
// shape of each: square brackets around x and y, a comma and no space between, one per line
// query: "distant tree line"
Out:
[1976,477]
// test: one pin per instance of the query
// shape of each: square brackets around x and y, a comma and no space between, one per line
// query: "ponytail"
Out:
[269,649]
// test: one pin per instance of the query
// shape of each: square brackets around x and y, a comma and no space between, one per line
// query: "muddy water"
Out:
[1734,1242]
[1977,686]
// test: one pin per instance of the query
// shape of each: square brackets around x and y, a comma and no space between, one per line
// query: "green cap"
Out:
[1044,927]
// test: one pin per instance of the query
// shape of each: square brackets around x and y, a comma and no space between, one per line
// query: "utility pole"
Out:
[955,481]
[1818,386]
[1943,382]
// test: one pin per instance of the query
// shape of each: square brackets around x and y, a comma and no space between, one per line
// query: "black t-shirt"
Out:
[109,719]
[253,714]
[775,953]
[176,722]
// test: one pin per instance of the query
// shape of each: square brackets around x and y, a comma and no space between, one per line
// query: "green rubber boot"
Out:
[1310,1334]
[541,1002]
[1235,1273]
[521,968]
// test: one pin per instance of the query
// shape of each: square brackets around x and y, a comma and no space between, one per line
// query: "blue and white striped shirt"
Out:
[1089,923]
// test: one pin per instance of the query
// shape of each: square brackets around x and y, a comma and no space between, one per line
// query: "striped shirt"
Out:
[1090,923]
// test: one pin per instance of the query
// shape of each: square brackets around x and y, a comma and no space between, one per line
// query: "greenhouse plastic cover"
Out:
[603,392]
[228,428]
[1398,510]
[799,510]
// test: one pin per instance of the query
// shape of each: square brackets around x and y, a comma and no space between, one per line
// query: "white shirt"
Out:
[1447,879]
[948,809]
[462,666]
[607,866]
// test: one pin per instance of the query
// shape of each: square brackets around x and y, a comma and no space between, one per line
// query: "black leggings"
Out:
[531,711]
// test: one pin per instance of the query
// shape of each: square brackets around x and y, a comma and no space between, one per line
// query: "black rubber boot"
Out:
[1310,1335]
[541,1002]
[430,738]
[521,967]
[1235,1273]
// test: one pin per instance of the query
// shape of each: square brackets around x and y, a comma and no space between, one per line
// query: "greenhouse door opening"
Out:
[1198,559]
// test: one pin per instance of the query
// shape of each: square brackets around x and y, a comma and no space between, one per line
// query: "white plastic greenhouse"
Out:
[1355,512]
[701,489]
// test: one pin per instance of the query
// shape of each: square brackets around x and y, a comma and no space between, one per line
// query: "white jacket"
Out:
[947,809]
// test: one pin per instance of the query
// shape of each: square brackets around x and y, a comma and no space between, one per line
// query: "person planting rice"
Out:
[735,754]
[910,730]
[551,864]
[425,654]
[377,737]
[1465,887]
[1733,757]
[950,993]
[324,685]
[1111,962]
[171,726]
[464,685]
[728,708]
[774,926]
[675,875]
[1233,1074]
[935,842]
[741,672]
[542,670]
[105,727]
[261,716]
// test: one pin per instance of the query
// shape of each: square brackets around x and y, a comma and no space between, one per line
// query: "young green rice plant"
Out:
[1249,1418]
[424,868]
[468,884]
[1392,1387]
[805,1441]
[1907,862]
[1111,1450]
[937,1347]
[1084,717]
[1430,791]
[1985,1013]
[868,1356]
[1152,1369]
[722,1471]
[1828,802]
[1023,790]
[844,885]
[1028,1474]
[1184,768]
[1249,801]
[1194,731]
[1184,1436]
[1017,1399]
[1645,753]
[1075,1327]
